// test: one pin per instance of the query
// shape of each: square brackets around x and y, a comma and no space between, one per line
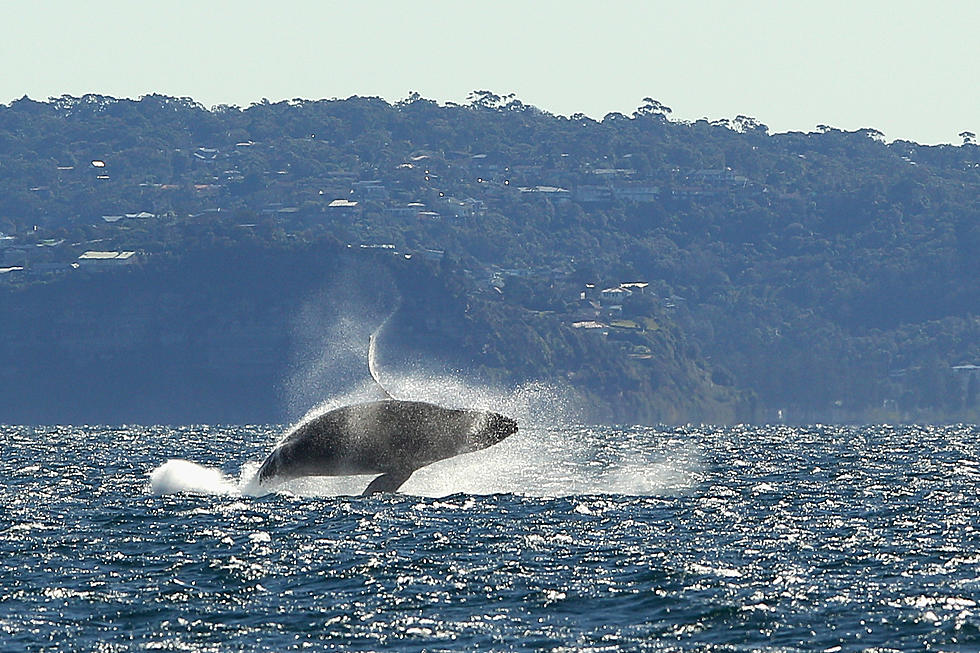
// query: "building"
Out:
[370,190]
[552,192]
[593,194]
[638,287]
[343,207]
[433,254]
[93,259]
[615,295]
[637,193]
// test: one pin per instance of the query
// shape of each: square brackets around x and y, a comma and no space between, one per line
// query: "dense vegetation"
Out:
[828,275]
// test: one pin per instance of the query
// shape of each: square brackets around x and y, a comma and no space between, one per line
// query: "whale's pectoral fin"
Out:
[387,482]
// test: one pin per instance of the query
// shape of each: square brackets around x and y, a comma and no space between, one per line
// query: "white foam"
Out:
[547,457]
[177,476]
[534,462]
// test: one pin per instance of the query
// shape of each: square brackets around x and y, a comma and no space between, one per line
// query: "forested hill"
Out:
[813,276]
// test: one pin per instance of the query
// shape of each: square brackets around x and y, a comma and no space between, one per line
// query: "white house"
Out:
[615,295]
[93,259]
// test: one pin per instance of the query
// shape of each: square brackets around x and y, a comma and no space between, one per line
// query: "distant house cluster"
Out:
[212,179]
[604,308]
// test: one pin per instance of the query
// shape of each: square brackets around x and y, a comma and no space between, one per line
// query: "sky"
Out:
[909,68]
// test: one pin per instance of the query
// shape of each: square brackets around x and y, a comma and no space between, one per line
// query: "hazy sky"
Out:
[906,67]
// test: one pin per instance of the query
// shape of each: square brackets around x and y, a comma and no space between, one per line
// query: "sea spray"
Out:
[329,336]
[532,404]
[548,457]
[176,476]
[535,462]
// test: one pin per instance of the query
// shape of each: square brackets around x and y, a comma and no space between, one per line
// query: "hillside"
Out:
[819,276]
[243,333]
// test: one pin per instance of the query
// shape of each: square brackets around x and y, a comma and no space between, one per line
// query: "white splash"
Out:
[533,405]
[177,476]
[547,457]
[535,462]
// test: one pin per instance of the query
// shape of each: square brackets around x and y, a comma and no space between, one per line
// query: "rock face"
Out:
[252,335]
[133,348]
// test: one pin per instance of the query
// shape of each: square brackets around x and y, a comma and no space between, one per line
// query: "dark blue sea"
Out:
[559,538]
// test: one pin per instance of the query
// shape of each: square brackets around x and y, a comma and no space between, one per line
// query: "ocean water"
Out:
[560,538]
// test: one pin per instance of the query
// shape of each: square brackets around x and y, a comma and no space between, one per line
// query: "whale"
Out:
[390,438]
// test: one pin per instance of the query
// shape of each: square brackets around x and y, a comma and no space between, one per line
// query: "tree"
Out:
[484,99]
[651,107]
[413,97]
[873,134]
[747,124]
[862,254]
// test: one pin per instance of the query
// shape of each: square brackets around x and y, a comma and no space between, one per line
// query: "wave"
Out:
[182,476]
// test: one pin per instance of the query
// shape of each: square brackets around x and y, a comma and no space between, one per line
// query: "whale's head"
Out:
[493,427]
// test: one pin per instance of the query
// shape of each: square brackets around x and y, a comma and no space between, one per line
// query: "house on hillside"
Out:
[615,295]
[205,153]
[370,190]
[591,326]
[638,287]
[967,372]
[93,259]
[343,207]
[14,256]
[44,269]
[613,173]
[407,212]
[551,192]
[720,179]
[637,193]
[711,182]
[466,208]
[591,194]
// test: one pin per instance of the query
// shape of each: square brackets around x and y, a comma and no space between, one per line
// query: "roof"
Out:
[342,204]
[588,324]
[93,255]
[542,189]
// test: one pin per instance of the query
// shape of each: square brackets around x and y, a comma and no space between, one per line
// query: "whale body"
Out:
[392,438]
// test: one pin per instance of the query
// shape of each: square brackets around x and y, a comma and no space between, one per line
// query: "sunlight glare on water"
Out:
[561,537]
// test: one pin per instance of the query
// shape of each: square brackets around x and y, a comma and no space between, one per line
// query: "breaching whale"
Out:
[391,437]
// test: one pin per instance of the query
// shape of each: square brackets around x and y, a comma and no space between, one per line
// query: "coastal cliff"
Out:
[257,334]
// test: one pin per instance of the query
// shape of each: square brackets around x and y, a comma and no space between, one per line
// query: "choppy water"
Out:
[821,539]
